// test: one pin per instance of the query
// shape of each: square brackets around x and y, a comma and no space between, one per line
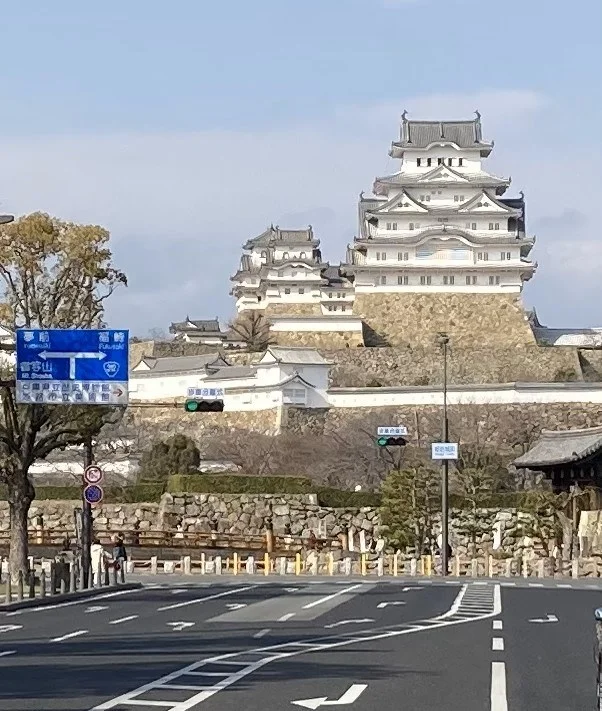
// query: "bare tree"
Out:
[54,274]
[253,329]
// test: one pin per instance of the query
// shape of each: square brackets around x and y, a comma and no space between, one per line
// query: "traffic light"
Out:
[204,405]
[391,442]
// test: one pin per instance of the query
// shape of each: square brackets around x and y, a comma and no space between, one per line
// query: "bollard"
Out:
[153,565]
[330,563]
[456,566]
[380,566]
[297,563]
[525,567]
[363,563]
[9,593]
[72,584]
[347,565]
[227,564]
[413,566]
[490,566]
[266,564]
[396,564]
[474,568]
[99,574]
[187,565]
[541,571]
[428,565]
[63,587]
[282,565]
[312,562]
[575,568]
[250,565]
[217,565]
[235,563]
[114,574]
[508,567]
[42,583]
[269,540]
[32,583]
[20,586]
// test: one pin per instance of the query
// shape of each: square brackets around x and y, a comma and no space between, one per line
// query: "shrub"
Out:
[177,455]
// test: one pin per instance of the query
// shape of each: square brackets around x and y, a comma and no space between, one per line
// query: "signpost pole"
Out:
[86,520]
[445,479]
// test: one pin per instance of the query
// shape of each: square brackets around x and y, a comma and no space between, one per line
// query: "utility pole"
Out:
[444,341]
[87,520]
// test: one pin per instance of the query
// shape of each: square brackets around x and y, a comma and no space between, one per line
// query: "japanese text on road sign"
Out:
[444,450]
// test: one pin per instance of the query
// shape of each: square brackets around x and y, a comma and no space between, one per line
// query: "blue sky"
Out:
[187,127]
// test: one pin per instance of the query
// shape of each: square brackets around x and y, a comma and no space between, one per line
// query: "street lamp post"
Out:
[444,342]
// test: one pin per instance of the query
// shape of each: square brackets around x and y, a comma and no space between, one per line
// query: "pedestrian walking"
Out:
[99,559]
[119,557]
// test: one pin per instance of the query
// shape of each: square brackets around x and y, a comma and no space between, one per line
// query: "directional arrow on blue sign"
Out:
[44,355]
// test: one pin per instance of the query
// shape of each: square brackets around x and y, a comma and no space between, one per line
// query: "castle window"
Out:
[287,290]
[443,219]
[449,280]
[497,226]
[264,255]
[450,161]
[471,280]
[285,255]
[425,280]
[343,295]
[343,307]
[460,161]
[302,255]
[339,295]
[418,161]
[456,198]
[468,225]
[461,198]
[491,225]
[330,294]
[494,280]
[440,161]
[505,256]
[383,279]
[411,225]
[483,256]
[403,256]
[331,307]
[429,162]
[391,225]
[402,280]
[474,225]
[301,290]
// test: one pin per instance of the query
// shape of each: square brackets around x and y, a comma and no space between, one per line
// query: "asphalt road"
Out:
[262,645]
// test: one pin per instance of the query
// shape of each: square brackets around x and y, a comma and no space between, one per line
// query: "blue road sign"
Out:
[93,493]
[72,366]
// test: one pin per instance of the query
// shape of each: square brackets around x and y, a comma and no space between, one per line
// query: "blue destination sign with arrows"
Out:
[72,366]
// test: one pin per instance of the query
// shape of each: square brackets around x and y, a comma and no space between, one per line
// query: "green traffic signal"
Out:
[204,405]
[382,441]
[391,442]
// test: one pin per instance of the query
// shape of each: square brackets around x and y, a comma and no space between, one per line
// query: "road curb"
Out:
[67,597]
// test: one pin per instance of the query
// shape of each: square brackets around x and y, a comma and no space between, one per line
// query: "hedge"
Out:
[234,484]
[139,493]
[336,498]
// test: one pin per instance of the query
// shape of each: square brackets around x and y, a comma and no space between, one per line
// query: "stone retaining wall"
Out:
[470,534]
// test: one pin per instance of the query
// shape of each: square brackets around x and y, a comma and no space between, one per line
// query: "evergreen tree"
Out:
[177,455]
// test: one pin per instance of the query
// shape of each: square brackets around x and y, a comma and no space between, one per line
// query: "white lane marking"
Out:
[97,608]
[43,608]
[536,585]
[481,583]
[7,654]
[289,649]
[352,694]
[10,628]
[236,605]
[498,625]
[548,618]
[499,701]
[204,599]
[79,633]
[497,644]
[382,605]
[509,585]
[286,617]
[179,626]
[348,622]
[123,619]
[315,603]
[564,585]
[419,588]
[261,633]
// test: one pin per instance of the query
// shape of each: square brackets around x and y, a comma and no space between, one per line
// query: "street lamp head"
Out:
[442,339]
[5,219]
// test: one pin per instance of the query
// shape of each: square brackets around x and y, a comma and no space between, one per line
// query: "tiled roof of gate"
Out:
[561,447]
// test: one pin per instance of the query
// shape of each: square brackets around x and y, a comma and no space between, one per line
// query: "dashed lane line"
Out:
[497,644]
[262,633]
[245,663]
[286,617]
[123,619]
[8,653]
[327,598]
[79,633]
[499,701]
[43,608]
[198,600]
[498,625]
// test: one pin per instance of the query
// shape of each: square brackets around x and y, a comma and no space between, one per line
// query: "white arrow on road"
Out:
[235,605]
[9,628]
[290,590]
[73,356]
[352,694]
[348,622]
[97,608]
[179,626]
[382,605]
[549,618]
[409,589]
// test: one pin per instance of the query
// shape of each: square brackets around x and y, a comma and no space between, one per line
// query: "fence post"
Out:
[456,567]
[347,565]
[474,568]
[330,563]
[153,565]
[363,563]
[396,564]
[508,567]
[575,568]
[32,583]
[413,566]
[235,563]
[203,564]
[42,583]
[541,571]
[489,566]
[428,565]
[72,581]
[267,565]
[297,563]
[9,593]
[525,567]
[282,565]
[217,565]
[380,565]
[63,588]
[187,565]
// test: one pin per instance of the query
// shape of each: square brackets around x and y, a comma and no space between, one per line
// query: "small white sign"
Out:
[206,393]
[398,431]
[444,450]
